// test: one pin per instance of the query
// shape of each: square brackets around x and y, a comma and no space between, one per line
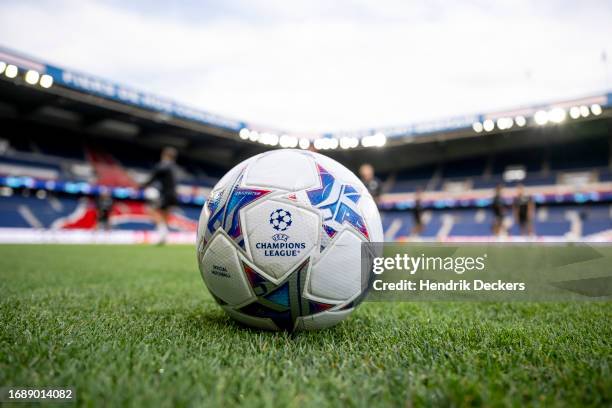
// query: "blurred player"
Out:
[104,206]
[524,211]
[498,211]
[417,213]
[372,183]
[163,179]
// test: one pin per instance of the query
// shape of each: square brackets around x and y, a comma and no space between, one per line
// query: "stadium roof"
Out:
[135,110]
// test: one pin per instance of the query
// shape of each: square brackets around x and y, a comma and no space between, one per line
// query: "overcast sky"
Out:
[323,65]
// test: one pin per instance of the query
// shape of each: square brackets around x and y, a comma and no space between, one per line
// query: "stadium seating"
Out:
[551,221]
[33,212]
[52,161]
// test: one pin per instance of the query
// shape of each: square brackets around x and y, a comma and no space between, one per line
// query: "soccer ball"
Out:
[279,241]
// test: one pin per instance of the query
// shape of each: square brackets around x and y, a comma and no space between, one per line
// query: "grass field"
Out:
[135,325]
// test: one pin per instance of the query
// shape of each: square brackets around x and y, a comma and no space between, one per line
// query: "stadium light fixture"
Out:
[541,117]
[504,123]
[520,121]
[284,141]
[304,143]
[349,142]
[326,143]
[375,140]
[574,112]
[584,111]
[46,81]
[383,140]
[11,71]
[477,126]
[556,115]
[2,66]
[244,133]
[273,139]
[380,140]
[488,125]
[265,138]
[253,136]
[596,109]
[32,77]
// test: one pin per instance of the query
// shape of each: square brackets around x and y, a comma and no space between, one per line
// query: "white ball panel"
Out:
[340,172]
[222,273]
[370,214]
[304,228]
[231,175]
[337,275]
[271,170]
[323,320]
[202,223]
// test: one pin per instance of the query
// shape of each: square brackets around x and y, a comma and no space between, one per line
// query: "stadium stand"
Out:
[59,149]
[544,168]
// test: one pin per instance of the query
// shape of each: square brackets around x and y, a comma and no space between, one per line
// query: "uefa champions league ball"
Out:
[279,241]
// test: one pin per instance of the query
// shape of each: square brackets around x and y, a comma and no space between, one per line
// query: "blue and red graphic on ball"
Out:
[338,204]
[225,211]
[274,301]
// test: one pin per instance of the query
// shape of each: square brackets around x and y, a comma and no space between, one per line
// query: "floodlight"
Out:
[46,81]
[32,77]
[596,109]
[541,117]
[11,71]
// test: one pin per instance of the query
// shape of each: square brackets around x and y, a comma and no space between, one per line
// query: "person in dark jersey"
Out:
[372,183]
[524,211]
[163,179]
[497,205]
[104,206]
[417,213]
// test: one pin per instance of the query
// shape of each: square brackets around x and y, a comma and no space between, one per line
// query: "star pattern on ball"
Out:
[284,302]
[227,207]
[337,203]
[280,219]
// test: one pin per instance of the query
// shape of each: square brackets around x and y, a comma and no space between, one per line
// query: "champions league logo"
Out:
[281,220]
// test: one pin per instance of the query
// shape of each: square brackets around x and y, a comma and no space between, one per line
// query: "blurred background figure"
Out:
[163,179]
[104,206]
[372,183]
[524,211]
[417,213]
[498,211]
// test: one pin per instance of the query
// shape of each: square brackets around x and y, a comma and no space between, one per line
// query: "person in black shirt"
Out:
[498,211]
[163,179]
[417,213]
[104,206]
[524,211]
[372,183]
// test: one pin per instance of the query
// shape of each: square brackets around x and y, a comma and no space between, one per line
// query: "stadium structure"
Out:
[69,136]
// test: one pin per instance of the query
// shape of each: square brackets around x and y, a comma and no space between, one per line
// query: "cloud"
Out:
[320,65]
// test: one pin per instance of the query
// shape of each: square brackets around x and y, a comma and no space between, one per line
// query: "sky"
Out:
[327,66]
